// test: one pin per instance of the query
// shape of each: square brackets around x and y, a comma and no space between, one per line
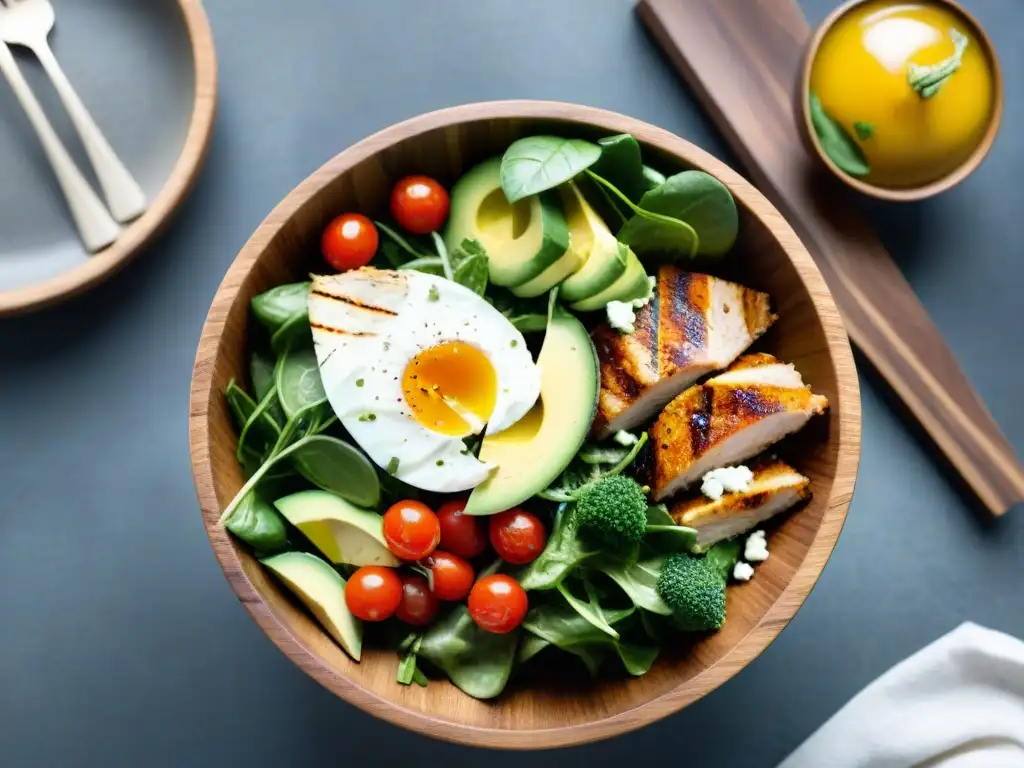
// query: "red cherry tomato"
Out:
[373,593]
[517,536]
[461,534]
[497,603]
[419,605]
[419,204]
[411,530]
[453,576]
[349,242]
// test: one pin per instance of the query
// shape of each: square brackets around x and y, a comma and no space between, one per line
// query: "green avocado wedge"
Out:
[633,284]
[531,453]
[322,590]
[603,258]
[522,240]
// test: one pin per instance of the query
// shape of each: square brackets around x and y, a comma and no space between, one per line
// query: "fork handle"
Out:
[95,225]
[124,196]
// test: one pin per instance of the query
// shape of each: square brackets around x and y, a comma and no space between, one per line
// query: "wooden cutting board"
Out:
[742,58]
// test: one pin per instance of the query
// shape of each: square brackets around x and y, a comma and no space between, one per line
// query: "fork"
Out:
[95,226]
[28,23]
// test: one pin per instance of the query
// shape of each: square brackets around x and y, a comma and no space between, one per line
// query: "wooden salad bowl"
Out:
[549,707]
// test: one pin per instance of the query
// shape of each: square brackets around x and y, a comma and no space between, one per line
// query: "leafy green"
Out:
[294,332]
[864,130]
[408,671]
[259,525]
[650,232]
[262,426]
[640,583]
[527,315]
[579,475]
[589,609]
[476,661]
[442,252]
[836,142]
[621,164]
[261,370]
[530,647]
[927,80]
[280,305]
[703,202]
[657,515]
[432,265]
[414,250]
[298,380]
[563,552]
[602,454]
[470,265]
[536,163]
[652,178]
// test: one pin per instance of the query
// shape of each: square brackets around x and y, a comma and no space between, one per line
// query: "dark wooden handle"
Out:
[743,60]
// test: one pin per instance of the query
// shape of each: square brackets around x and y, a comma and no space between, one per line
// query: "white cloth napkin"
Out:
[957,703]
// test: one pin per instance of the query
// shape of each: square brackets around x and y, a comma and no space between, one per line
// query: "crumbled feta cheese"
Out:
[742,571]
[732,479]
[620,316]
[756,548]
[622,437]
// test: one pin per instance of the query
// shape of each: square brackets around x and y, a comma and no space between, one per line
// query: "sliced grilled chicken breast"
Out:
[729,419]
[693,325]
[775,488]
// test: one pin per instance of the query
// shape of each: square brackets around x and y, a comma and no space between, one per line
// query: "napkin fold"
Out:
[957,703]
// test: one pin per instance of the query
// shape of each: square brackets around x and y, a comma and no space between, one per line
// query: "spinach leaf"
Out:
[658,515]
[298,381]
[561,626]
[239,403]
[537,163]
[335,465]
[476,661]
[262,426]
[640,583]
[602,454]
[703,202]
[279,305]
[589,609]
[563,552]
[294,332]
[259,525]
[414,250]
[652,178]
[261,370]
[576,478]
[471,266]
[530,647]
[670,539]
[650,232]
[527,315]
[432,265]
[620,163]
[442,252]
[836,142]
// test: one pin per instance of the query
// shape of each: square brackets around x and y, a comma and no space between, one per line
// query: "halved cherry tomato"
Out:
[411,529]
[452,576]
[497,603]
[419,605]
[373,593]
[349,242]
[419,204]
[517,536]
[461,534]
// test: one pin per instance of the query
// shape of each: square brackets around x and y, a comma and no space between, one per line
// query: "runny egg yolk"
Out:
[451,388]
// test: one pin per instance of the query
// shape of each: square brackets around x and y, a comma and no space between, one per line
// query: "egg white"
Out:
[368,324]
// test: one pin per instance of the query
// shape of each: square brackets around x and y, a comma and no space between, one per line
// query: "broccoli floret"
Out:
[694,587]
[614,509]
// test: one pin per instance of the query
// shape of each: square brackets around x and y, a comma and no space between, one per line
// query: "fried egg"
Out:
[412,364]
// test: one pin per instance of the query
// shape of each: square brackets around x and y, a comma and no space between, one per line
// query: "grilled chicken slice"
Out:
[775,488]
[729,419]
[693,325]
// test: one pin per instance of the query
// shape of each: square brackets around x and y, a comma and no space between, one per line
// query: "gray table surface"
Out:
[120,642]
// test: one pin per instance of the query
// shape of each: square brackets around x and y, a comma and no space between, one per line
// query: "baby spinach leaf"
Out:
[563,552]
[640,583]
[527,315]
[298,380]
[414,250]
[836,142]
[589,609]
[703,202]
[476,661]
[294,332]
[620,163]
[576,478]
[650,232]
[670,539]
[530,647]
[279,305]
[652,178]
[658,515]
[261,369]
[536,163]
[261,426]
[432,265]
[239,403]
[259,525]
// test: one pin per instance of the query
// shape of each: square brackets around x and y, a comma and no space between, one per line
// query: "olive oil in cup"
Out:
[901,99]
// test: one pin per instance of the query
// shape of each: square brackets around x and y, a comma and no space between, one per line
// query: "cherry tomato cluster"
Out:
[418,203]
[414,533]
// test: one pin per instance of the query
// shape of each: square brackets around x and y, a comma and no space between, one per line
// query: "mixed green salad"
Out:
[416,428]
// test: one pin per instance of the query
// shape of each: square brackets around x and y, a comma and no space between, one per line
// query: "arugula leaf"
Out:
[471,265]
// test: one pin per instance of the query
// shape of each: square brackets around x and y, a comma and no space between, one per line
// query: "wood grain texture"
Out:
[932,188]
[743,59]
[141,232]
[551,706]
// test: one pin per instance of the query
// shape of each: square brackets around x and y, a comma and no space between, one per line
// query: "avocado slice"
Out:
[571,261]
[605,257]
[632,284]
[533,452]
[322,590]
[521,240]
[343,532]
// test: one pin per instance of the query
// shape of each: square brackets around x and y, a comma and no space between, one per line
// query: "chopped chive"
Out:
[393,466]
[368,417]
[440,462]
[514,343]
[433,294]
[359,382]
